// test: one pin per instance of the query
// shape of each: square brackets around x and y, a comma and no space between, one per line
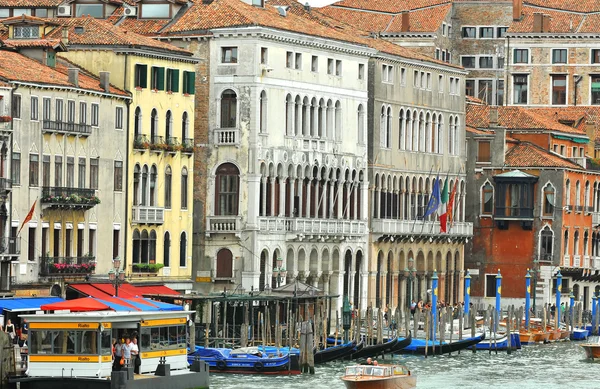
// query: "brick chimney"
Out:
[546,23]
[65,36]
[517,9]
[538,21]
[405,21]
[105,81]
[74,76]
[493,116]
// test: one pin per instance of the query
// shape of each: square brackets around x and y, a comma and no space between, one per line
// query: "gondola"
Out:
[417,346]
[375,350]
[401,344]
[246,361]
[336,352]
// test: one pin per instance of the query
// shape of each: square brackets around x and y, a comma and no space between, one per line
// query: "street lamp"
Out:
[409,273]
[116,275]
[279,271]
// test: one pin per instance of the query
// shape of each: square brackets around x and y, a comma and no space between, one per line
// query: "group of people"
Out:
[18,334]
[126,354]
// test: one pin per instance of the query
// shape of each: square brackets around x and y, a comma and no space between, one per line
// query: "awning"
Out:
[89,290]
[110,290]
[139,305]
[118,307]
[572,139]
[26,304]
[78,305]
[155,289]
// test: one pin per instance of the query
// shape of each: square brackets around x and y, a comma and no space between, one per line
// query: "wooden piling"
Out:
[472,321]
[307,361]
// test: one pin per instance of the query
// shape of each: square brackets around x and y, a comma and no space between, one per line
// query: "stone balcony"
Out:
[5,125]
[78,129]
[596,218]
[418,227]
[223,225]
[227,137]
[142,214]
[67,266]
[308,227]
[67,197]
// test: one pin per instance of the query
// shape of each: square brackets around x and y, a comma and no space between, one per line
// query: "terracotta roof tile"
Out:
[26,43]
[366,21]
[17,67]
[581,116]
[561,22]
[517,118]
[389,6]
[591,23]
[474,130]
[144,26]
[25,18]
[101,33]
[526,154]
[423,20]
[569,5]
[30,3]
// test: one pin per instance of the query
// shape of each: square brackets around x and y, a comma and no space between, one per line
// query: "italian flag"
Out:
[442,211]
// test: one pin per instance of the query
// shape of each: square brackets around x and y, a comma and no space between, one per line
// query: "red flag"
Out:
[443,222]
[28,217]
[450,209]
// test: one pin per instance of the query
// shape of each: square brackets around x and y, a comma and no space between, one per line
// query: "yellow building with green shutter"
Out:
[157,228]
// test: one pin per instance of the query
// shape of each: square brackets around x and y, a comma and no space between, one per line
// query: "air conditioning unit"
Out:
[130,11]
[64,10]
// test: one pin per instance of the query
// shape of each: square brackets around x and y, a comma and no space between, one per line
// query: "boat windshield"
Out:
[354,370]
[400,370]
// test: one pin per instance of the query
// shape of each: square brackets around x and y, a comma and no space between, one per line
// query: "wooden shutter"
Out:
[191,83]
[175,80]
[160,74]
[143,76]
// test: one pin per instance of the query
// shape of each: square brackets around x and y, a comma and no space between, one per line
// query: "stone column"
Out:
[308,190]
[282,199]
[291,199]
[253,200]
[347,203]
[340,200]
[332,211]
[323,201]
[300,192]
[272,205]
[263,205]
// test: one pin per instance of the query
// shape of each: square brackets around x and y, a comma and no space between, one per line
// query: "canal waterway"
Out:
[551,366]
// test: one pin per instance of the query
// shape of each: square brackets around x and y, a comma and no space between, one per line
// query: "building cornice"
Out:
[419,63]
[173,56]
[69,89]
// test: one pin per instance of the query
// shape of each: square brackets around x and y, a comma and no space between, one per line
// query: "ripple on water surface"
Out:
[552,366]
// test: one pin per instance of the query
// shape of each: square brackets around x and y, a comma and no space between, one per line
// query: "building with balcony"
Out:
[9,246]
[160,78]
[66,163]
[531,207]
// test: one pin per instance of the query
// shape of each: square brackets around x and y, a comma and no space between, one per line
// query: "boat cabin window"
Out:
[377,371]
[68,342]
[164,338]
[400,370]
[353,370]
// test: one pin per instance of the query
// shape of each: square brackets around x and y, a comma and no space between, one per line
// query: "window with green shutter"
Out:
[189,83]
[172,80]
[157,79]
[141,76]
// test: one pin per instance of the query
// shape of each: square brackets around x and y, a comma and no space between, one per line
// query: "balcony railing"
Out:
[67,266]
[595,218]
[566,260]
[418,227]
[589,209]
[158,144]
[569,208]
[187,145]
[10,245]
[312,226]
[586,261]
[227,136]
[143,214]
[576,261]
[503,213]
[223,225]
[5,125]
[65,127]
[596,263]
[141,142]
[59,197]
[579,208]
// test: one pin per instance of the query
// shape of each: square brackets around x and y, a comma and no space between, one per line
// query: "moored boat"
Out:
[592,348]
[375,350]
[421,347]
[246,361]
[378,377]
[336,352]
[579,334]
[527,337]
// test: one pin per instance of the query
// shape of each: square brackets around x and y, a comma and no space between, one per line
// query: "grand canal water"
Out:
[552,366]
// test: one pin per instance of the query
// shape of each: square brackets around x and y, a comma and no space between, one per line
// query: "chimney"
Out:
[493,117]
[538,20]
[546,23]
[105,81]
[65,36]
[517,9]
[405,22]
[307,7]
[207,1]
[74,76]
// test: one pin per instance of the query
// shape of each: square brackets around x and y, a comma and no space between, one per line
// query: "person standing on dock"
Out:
[118,354]
[413,307]
[135,356]
[127,351]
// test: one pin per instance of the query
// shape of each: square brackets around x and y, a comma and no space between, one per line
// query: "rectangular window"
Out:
[416,79]
[520,89]
[93,10]
[157,78]
[83,112]
[330,65]
[119,118]
[289,59]
[118,176]
[47,107]
[34,108]
[361,71]
[486,32]
[184,194]
[46,170]
[444,55]
[141,76]
[500,92]
[189,83]
[559,56]
[81,167]
[562,150]
[501,32]
[443,29]
[314,63]
[31,245]
[437,53]
[70,172]
[423,80]
[559,89]
[229,54]
[264,55]
[173,80]
[25,32]
[58,112]
[485,91]
[595,90]
[596,56]
[58,165]
[34,169]
[94,162]
[16,108]
[155,11]
[469,32]
[470,88]
[521,56]
[298,63]
[71,111]
[80,236]
[467,62]
[429,81]
[15,167]
[92,242]
[486,62]
[95,114]
[402,76]
[441,82]
[338,68]
[483,152]
[500,62]
[116,234]
[490,285]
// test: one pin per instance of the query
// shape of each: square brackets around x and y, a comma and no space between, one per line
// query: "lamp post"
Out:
[279,271]
[409,273]
[116,275]
[346,318]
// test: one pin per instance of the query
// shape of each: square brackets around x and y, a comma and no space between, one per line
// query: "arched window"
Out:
[185,133]
[152,247]
[227,190]
[548,201]
[546,244]
[586,239]
[566,244]
[568,194]
[136,184]
[306,115]
[577,194]
[314,110]
[388,128]
[184,188]
[487,199]
[422,139]
[586,198]
[183,250]
[290,108]
[136,246]
[408,130]
[137,124]
[320,119]
[169,127]
[153,185]
[338,121]
[415,131]
[401,131]
[144,244]
[440,133]
[263,112]
[456,146]
[382,130]
[576,243]
[224,264]
[144,191]
[154,126]
[228,109]
[451,136]
[430,146]
[360,125]
[167,250]
[329,118]
[298,123]
[168,186]
[434,133]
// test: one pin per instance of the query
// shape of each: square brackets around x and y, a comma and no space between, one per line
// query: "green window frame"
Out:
[189,82]
[157,80]
[172,80]
[141,76]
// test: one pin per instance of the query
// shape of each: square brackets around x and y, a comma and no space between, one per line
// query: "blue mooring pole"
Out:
[527,298]
[434,295]
[558,290]
[467,293]
[498,297]
[594,307]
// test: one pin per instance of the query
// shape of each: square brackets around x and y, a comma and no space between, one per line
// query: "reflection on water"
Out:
[558,365]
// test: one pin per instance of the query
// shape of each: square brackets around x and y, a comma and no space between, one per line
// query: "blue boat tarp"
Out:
[25,304]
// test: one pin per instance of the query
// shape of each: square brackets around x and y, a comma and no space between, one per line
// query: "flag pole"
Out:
[417,216]
[431,194]
[28,217]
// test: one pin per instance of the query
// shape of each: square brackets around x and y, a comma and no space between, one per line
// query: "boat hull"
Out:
[579,334]
[592,351]
[375,350]
[401,382]
[418,346]
[333,353]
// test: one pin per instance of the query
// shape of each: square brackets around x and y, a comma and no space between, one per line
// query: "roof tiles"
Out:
[526,154]
[389,6]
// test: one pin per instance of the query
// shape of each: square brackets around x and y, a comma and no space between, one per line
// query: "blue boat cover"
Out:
[26,303]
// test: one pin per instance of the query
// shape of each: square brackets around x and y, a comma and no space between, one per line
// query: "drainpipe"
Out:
[507,84]
[576,79]
[126,170]
[9,172]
